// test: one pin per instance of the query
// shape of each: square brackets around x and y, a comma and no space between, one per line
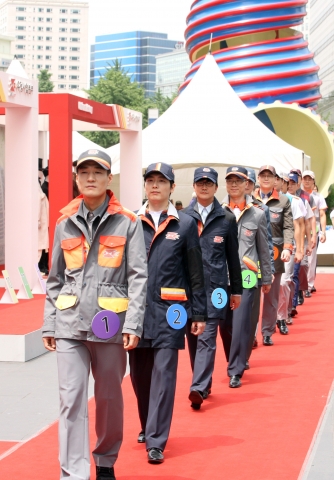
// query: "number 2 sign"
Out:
[176,316]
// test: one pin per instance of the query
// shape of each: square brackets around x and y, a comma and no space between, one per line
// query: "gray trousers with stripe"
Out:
[108,363]
[270,307]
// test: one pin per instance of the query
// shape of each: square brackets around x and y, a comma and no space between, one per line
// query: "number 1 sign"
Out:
[105,324]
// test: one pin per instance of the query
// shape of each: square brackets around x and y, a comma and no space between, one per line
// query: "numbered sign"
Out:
[219,298]
[249,279]
[176,316]
[105,324]
[24,291]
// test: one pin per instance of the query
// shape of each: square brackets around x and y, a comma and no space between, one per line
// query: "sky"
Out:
[114,16]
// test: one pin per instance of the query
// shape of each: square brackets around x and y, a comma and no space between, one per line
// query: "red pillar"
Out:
[60,160]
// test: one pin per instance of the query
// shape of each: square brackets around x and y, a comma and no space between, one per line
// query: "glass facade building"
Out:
[135,50]
[171,70]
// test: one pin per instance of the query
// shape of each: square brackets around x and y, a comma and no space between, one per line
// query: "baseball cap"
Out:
[293,177]
[97,156]
[270,168]
[309,173]
[296,171]
[285,176]
[206,172]
[240,172]
[251,175]
[163,168]
[280,175]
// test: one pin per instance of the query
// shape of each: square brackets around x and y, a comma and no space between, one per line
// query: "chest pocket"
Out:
[111,251]
[73,252]
[248,233]
[276,214]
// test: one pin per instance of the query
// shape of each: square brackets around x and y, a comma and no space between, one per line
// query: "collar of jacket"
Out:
[171,213]
[216,211]
[249,204]
[274,195]
[113,207]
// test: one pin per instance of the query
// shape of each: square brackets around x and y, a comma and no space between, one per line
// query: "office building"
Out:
[51,35]
[171,70]
[305,27]
[5,52]
[322,42]
[137,53]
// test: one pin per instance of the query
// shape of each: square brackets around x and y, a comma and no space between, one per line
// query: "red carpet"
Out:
[23,317]
[261,431]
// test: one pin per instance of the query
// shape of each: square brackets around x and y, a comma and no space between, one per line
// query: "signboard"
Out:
[40,286]
[9,295]
[24,292]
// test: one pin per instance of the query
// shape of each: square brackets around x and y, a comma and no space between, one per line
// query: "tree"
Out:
[115,86]
[44,82]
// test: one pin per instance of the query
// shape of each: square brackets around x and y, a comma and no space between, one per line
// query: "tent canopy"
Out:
[209,124]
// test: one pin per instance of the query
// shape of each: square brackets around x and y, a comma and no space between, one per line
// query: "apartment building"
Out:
[322,42]
[51,35]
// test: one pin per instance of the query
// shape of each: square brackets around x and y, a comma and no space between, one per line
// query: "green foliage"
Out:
[115,86]
[44,82]
[330,203]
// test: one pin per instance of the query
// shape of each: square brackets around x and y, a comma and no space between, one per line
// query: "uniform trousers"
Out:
[153,376]
[108,363]
[254,319]
[202,352]
[235,332]
[312,266]
[270,306]
[285,289]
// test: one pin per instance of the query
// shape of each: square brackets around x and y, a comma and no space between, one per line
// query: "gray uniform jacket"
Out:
[108,274]
[253,240]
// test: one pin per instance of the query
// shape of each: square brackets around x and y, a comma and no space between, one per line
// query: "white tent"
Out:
[80,144]
[209,124]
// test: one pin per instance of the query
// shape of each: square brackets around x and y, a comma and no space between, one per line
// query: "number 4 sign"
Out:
[248,279]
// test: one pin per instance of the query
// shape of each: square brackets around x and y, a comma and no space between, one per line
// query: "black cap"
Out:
[240,172]
[97,156]
[206,172]
[163,168]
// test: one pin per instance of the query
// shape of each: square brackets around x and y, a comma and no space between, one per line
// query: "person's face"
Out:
[235,186]
[308,183]
[293,187]
[278,184]
[178,207]
[157,188]
[284,188]
[92,180]
[266,180]
[249,187]
[205,190]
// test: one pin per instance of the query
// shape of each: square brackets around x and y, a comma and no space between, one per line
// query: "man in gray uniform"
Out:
[94,312]
[235,330]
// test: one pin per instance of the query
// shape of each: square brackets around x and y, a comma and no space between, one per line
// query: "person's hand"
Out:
[50,343]
[197,328]
[266,288]
[299,257]
[130,341]
[272,278]
[313,242]
[308,250]
[322,237]
[285,256]
[235,301]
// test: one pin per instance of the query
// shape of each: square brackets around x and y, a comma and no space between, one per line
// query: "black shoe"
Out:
[196,399]
[105,472]
[235,381]
[206,393]
[267,341]
[255,343]
[281,325]
[300,297]
[313,290]
[294,312]
[247,367]
[141,437]
[308,294]
[154,455]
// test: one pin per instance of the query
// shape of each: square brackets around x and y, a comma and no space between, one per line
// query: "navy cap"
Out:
[97,156]
[297,171]
[206,172]
[163,168]
[293,177]
[251,175]
[240,172]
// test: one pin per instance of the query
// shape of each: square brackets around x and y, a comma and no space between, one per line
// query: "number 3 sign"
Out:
[219,298]
[176,316]
[105,324]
